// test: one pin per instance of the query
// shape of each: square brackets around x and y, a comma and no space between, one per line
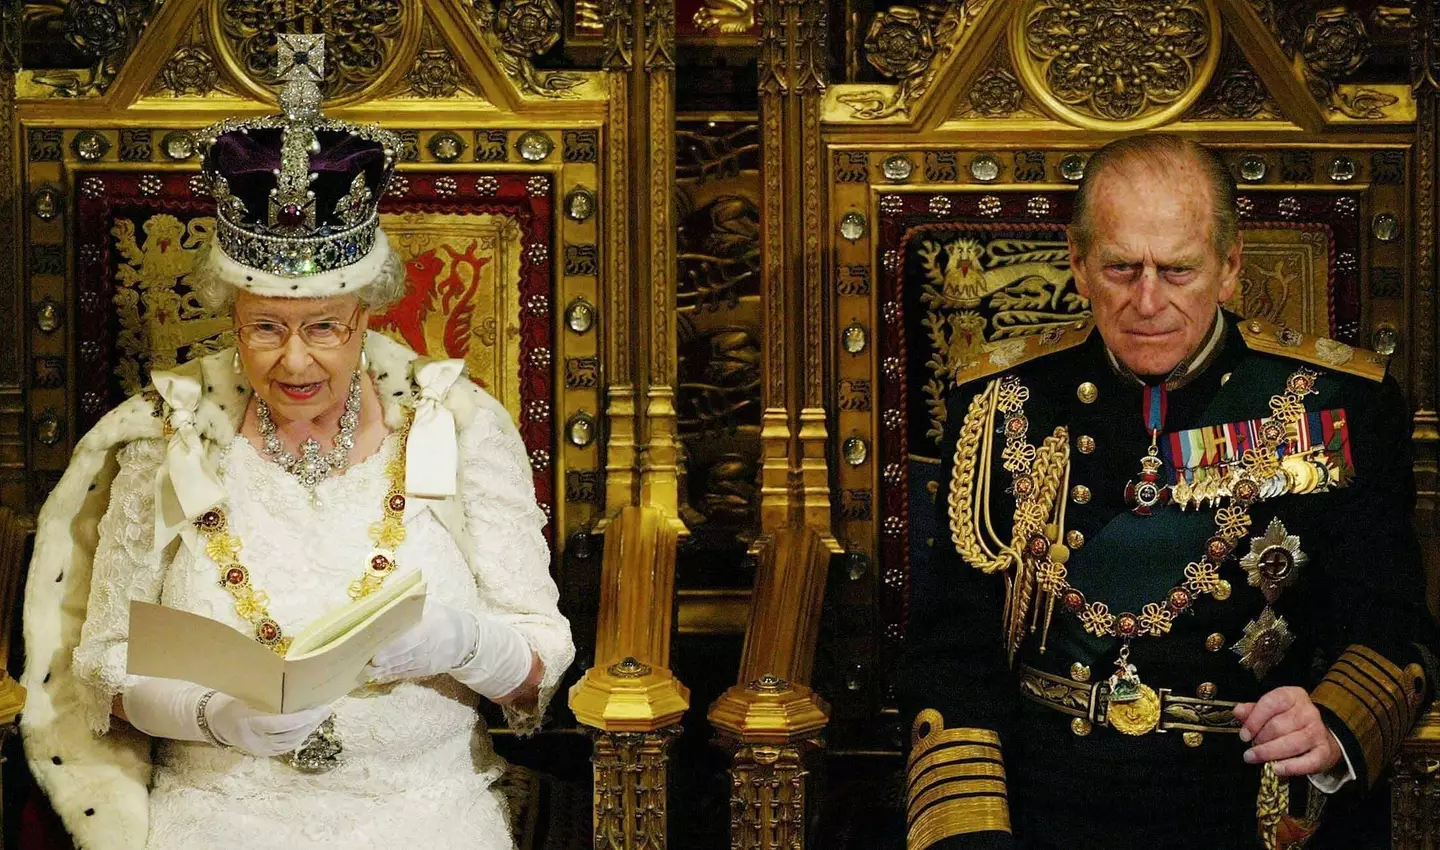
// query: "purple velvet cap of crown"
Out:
[248,161]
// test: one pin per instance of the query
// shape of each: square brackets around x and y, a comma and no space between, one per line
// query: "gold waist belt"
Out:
[1091,702]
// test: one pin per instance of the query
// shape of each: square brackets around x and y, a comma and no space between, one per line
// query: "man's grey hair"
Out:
[217,294]
[1159,151]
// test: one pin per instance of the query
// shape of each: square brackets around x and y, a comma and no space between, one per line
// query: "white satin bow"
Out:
[430,451]
[185,484]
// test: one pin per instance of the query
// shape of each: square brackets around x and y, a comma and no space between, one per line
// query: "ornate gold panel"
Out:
[1115,64]
[370,41]
[707,22]
[160,322]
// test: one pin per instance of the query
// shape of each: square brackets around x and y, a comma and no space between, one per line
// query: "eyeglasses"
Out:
[268,336]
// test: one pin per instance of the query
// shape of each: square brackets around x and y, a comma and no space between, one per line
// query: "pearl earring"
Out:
[235,363]
[364,361]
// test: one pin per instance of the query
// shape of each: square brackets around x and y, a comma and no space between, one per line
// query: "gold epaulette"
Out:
[955,784]
[1376,700]
[1263,336]
[1007,353]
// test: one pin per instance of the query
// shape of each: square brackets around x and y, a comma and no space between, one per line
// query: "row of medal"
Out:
[1205,487]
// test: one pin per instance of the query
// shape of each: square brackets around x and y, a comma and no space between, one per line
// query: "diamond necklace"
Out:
[312,467]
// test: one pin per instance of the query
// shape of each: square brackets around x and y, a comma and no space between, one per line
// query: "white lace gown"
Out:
[417,766]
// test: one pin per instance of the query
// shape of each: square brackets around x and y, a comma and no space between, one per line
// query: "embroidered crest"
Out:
[1006,353]
[1332,352]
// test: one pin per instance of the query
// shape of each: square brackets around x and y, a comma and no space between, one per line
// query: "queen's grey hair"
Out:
[217,294]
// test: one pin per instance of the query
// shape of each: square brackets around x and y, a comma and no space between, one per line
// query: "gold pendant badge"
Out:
[1138,716]
[1134,707]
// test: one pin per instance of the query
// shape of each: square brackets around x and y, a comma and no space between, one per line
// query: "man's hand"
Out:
[1286,729]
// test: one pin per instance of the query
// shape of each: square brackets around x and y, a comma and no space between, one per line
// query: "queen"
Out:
[261,486]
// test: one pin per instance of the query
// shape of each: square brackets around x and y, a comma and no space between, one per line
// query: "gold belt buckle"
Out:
[1137,717]
[1157,710]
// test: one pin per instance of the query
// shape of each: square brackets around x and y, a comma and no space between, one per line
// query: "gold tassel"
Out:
[1271,805]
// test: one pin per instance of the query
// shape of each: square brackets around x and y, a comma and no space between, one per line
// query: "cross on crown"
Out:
[300,57]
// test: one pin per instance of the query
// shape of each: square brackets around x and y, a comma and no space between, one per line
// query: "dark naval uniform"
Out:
[1300,569]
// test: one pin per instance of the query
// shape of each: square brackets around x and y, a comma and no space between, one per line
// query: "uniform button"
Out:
[1206,690]
[1080,726]
[1193,739]
[1086,444]
[1254,327]
[1075,539]
[1224,379]
[1087,392]
[1079,672]
[1080,493]
[1215,642]
[1222,591]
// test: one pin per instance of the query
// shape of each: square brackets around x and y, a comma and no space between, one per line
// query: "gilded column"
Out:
[770,729]
[794,477]
[661,463]
[809,58]
[1415,789]
[13,310]
[776,432]
[621,449]
[630,789]
[770,721]
[1423,326]
[629,700]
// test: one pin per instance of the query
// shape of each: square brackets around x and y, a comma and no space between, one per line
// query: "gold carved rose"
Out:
[1116,64]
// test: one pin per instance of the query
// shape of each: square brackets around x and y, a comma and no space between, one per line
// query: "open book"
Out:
[324,661]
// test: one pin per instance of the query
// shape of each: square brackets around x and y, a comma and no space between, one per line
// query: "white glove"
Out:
[170,708]
[483,653]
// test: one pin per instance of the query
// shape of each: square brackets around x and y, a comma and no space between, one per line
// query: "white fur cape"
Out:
[99,785]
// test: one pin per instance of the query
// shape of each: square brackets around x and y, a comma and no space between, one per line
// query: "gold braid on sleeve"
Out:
[955,782]
[1376,700]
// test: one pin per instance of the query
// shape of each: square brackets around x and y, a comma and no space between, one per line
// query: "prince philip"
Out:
[1180,601]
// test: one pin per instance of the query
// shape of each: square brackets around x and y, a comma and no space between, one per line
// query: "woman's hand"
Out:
[237,725]
[484,653]
[445,638]
[183,711]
